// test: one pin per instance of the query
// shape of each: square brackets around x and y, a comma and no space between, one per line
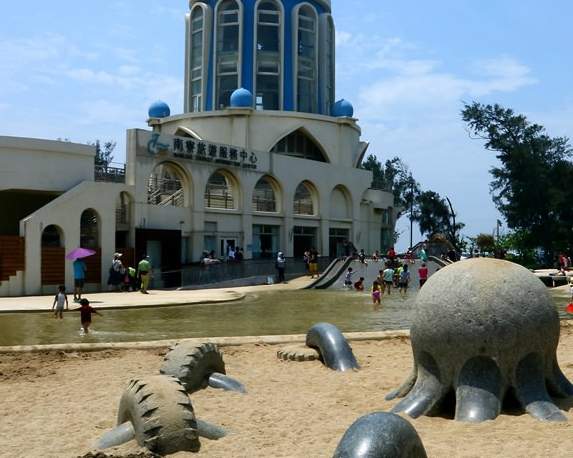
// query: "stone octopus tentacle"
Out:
[531,391]
[427,392]
[479,391]
[406,387]
[558,383]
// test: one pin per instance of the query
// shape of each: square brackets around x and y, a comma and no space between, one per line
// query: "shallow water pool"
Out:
[262,313]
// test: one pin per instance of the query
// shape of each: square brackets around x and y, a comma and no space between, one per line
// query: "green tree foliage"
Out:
[104,153]
[531,186]
[394,177]
[485,243]
[435,215]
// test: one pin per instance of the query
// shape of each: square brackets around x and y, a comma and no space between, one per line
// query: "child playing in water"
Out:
[348,278]
[86,314]
[404,279]
[359,284]
[376,292]
[59,301]
[388,277]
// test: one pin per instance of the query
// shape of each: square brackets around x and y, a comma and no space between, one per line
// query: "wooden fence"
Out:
[12,255]
[53,265]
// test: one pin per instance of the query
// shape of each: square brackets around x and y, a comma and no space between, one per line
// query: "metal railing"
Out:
[110,173]
[255,271]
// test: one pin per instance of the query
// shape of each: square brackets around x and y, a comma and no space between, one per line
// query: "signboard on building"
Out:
[165,146]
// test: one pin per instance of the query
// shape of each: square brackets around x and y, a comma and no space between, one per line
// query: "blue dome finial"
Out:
[242,98]
[159,109]
[342,108]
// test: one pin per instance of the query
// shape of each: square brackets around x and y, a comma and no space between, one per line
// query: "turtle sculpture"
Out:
[486,330]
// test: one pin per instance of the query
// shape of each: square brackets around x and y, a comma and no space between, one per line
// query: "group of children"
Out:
[61,301]
[387,278]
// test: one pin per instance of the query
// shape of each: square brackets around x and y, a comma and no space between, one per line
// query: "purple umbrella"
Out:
[79,253]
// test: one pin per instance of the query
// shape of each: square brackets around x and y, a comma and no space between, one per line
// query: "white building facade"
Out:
[263,158]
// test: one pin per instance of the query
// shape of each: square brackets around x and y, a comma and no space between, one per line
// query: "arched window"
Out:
[303,204]
[51,237]
[228,48]
[306,60]
[164,186]
[264,199]
[219,193]
[197,27]
[268,57]
[297,144]
[89,236]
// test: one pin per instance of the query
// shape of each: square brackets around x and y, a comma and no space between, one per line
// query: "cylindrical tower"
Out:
[281,51]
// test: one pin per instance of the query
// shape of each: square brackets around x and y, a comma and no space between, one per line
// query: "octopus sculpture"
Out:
[487,331]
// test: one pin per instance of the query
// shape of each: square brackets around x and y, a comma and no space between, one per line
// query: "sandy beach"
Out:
[58,403]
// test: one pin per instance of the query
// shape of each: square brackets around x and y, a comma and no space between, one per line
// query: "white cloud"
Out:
[129,70]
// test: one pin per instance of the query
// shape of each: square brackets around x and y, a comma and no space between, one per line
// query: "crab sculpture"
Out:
[485,330]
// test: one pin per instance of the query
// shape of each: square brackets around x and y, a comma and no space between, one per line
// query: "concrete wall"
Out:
[41,165]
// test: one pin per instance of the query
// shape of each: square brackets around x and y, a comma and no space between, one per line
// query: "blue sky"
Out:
[89,70]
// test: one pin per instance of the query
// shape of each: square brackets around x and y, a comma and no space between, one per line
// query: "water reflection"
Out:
[261,313]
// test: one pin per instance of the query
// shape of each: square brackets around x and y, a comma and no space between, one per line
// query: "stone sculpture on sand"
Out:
[486,331]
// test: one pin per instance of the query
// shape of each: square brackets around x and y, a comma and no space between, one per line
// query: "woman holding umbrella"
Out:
[80,268]
[79,278]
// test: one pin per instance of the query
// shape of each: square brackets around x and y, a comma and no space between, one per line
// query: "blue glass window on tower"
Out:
[268,57]
[228,45]
[196,59]
[306,61]
[329,67]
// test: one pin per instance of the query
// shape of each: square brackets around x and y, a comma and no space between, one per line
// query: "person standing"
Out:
[313,263]
[423,255]
[239,254]
[60,300]
[423,274]
[375,292]
[115,273]
[79,278]
[143,272]
[306,260]
[348,278]
[391,255]
[281,265]
[404,279]
[388,276]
